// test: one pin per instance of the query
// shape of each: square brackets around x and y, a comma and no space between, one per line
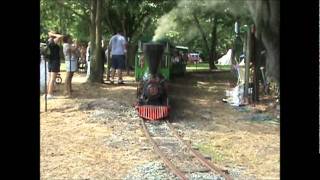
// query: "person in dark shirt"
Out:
[54,60]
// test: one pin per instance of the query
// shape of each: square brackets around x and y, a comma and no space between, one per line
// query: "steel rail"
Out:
[168,163]
[199,156]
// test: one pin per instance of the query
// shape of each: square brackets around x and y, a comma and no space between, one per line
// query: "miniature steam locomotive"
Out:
[152,91]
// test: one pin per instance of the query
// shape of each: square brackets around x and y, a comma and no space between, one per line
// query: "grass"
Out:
[190,67]
[258,153]
[197,67]
[205,67]
[209,150]
[224,67]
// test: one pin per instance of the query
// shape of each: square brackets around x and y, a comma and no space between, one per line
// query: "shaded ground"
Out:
[96,134]
[231,136]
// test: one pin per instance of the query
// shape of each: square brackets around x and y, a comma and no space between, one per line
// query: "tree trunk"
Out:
[93,7]
[256,64]
[93,25]
[132,49]
[249,54]
[213,43]
[205,41]
[96,64]
[108,66]
[127,57]
[266,16]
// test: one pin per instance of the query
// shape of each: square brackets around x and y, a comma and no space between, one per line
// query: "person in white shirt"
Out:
[88,56]
[117,46]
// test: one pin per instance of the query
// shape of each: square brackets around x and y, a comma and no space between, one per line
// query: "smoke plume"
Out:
[185,8]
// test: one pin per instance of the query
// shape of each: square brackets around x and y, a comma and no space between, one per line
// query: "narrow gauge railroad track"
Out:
[189,156]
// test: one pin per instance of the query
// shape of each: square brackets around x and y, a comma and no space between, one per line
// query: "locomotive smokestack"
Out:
[153,53]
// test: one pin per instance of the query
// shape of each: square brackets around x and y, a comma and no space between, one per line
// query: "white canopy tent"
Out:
[226,59]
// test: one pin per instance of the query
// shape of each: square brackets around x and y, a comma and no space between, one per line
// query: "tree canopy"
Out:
[205,26]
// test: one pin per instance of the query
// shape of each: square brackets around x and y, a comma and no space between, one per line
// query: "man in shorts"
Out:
[117,46]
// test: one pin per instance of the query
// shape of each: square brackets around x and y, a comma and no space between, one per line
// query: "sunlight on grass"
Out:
[224,67]
[205,67]
[208,150]
[198,67]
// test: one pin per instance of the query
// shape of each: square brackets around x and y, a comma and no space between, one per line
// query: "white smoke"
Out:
[184,9]
[166,23]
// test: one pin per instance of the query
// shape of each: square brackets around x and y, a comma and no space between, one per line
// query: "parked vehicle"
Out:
[194,57]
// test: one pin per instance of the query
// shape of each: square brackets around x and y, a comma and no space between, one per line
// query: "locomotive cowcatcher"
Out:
[152,91]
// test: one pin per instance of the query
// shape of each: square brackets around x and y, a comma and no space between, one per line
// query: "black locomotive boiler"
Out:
[152,91]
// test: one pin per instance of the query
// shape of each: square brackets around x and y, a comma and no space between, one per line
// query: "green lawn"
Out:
[224,67]
[190,67]
[198,67]
[205,67]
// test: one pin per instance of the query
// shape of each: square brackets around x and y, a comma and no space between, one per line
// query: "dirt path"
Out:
[96,135]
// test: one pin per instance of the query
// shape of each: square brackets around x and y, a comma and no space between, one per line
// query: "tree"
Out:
[204,36]
[205,26]
[134,19]
[82,20]
[96,72]
[266,16]
[67,17]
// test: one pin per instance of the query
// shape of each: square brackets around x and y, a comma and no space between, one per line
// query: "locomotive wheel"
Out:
[58,80]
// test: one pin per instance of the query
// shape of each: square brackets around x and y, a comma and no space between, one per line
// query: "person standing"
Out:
[103,56]
[54,61]
[88,57]
[82,58]
[77,54]
[117,46]
[108,62]
[71,55]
